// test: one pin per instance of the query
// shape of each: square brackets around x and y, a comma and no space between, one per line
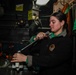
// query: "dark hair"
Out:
[61,16]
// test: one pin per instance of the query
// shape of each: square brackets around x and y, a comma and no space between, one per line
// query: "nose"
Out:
[50,24]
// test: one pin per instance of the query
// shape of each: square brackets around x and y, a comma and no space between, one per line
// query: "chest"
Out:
[50,46]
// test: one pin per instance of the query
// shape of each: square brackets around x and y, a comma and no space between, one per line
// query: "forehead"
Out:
[53,18]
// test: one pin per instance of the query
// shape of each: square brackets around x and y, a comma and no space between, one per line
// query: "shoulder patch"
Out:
[52,47]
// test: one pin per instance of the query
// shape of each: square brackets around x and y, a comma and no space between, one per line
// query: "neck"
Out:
[62,33]
[59,32]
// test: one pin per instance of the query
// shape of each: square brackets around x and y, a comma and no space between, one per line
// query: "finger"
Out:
[14,58]
[15,55]
[14,61]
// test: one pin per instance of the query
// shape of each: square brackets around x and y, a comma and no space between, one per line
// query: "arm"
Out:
[60,55]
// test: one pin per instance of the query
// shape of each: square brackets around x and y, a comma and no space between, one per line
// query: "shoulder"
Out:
[62,39]
[66,39]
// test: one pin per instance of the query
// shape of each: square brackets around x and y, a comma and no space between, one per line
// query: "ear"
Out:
[62,23]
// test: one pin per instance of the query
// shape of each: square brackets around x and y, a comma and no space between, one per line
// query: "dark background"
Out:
[9,29]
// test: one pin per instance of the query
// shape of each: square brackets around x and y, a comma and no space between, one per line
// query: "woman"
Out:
[53,54]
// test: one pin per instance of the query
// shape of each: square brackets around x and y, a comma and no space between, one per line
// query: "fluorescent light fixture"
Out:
[42,2]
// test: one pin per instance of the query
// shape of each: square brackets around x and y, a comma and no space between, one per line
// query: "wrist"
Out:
[26,59]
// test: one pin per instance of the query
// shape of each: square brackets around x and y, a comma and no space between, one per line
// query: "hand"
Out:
[18,57]
[40,36]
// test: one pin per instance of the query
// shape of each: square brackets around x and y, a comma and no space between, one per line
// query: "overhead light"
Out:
[42,2]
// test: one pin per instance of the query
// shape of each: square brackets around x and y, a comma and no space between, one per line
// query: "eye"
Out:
[53,22]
